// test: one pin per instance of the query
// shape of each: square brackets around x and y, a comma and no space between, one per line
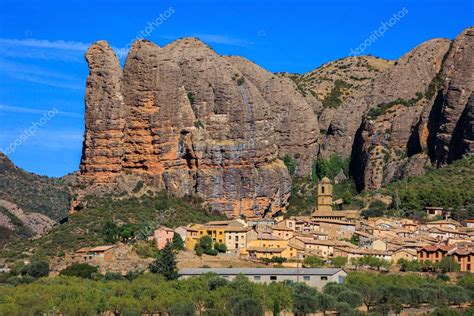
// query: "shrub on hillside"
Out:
[81,270]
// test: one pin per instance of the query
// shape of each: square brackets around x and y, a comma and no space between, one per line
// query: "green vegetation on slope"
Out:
[333,99]
[450,187]
[19,230]
[33,193]
[85,228]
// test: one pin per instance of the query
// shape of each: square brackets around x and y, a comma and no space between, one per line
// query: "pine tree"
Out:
[178,243]
[165,263]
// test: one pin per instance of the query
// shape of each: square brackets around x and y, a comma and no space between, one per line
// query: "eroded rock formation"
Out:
[185,120]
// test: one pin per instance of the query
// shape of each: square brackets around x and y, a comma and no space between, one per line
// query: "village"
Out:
[332,238]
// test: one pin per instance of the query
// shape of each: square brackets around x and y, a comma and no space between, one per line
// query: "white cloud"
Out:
[43,49]
[223,39]
[17,109]
[64,45]
[31,48]
[32,73]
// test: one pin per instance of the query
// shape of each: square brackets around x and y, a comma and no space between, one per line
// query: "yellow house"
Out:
[217,233]
[191,238]
[280,230]
[268,246]
[269,241]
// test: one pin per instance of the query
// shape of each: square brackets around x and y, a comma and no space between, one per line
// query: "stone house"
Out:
[87,254]
[352,253]
[379,244]
[464,255]
[433,253]
[162,236]
[445,223]
[280,230]
[239,237]
[336,229]
[404,253]
[324,248]
[434,211]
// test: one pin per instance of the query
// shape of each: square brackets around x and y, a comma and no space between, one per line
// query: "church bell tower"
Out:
[324,195]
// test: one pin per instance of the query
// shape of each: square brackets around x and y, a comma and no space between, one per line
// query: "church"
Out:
[324,208]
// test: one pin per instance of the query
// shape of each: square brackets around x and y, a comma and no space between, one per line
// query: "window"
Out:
[306,277]
[220,233]
[236,238]
[468,267]
[468,258]
[273,277]
[437,254]
[322,189]
[324,278]
[256,277]
[236,245]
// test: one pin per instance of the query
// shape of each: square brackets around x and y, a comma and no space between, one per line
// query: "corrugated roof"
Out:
[262,271]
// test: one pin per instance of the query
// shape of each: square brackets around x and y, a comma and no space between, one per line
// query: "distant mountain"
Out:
[29,204]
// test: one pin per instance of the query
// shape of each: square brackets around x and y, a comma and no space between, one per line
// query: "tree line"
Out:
[210,294]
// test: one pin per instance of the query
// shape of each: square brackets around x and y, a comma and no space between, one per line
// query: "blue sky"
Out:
[42,44]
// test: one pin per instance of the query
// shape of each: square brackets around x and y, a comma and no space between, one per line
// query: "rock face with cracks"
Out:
[183,119]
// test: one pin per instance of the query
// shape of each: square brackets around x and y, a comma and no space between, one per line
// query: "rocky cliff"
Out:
[454,137]
[187,120]
[184,119]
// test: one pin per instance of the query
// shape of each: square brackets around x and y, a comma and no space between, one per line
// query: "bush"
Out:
[274,259]
[146,249]
[248,306]
[442,277]
[36,269]
[199,251]
[220,247]
[113,276]
[81,270]
[371,213]
[178,243]
[290,164]
[211,252]
[138,186]
[352,298]
[448,264]
[182,309]
[339,262]
[313,262]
